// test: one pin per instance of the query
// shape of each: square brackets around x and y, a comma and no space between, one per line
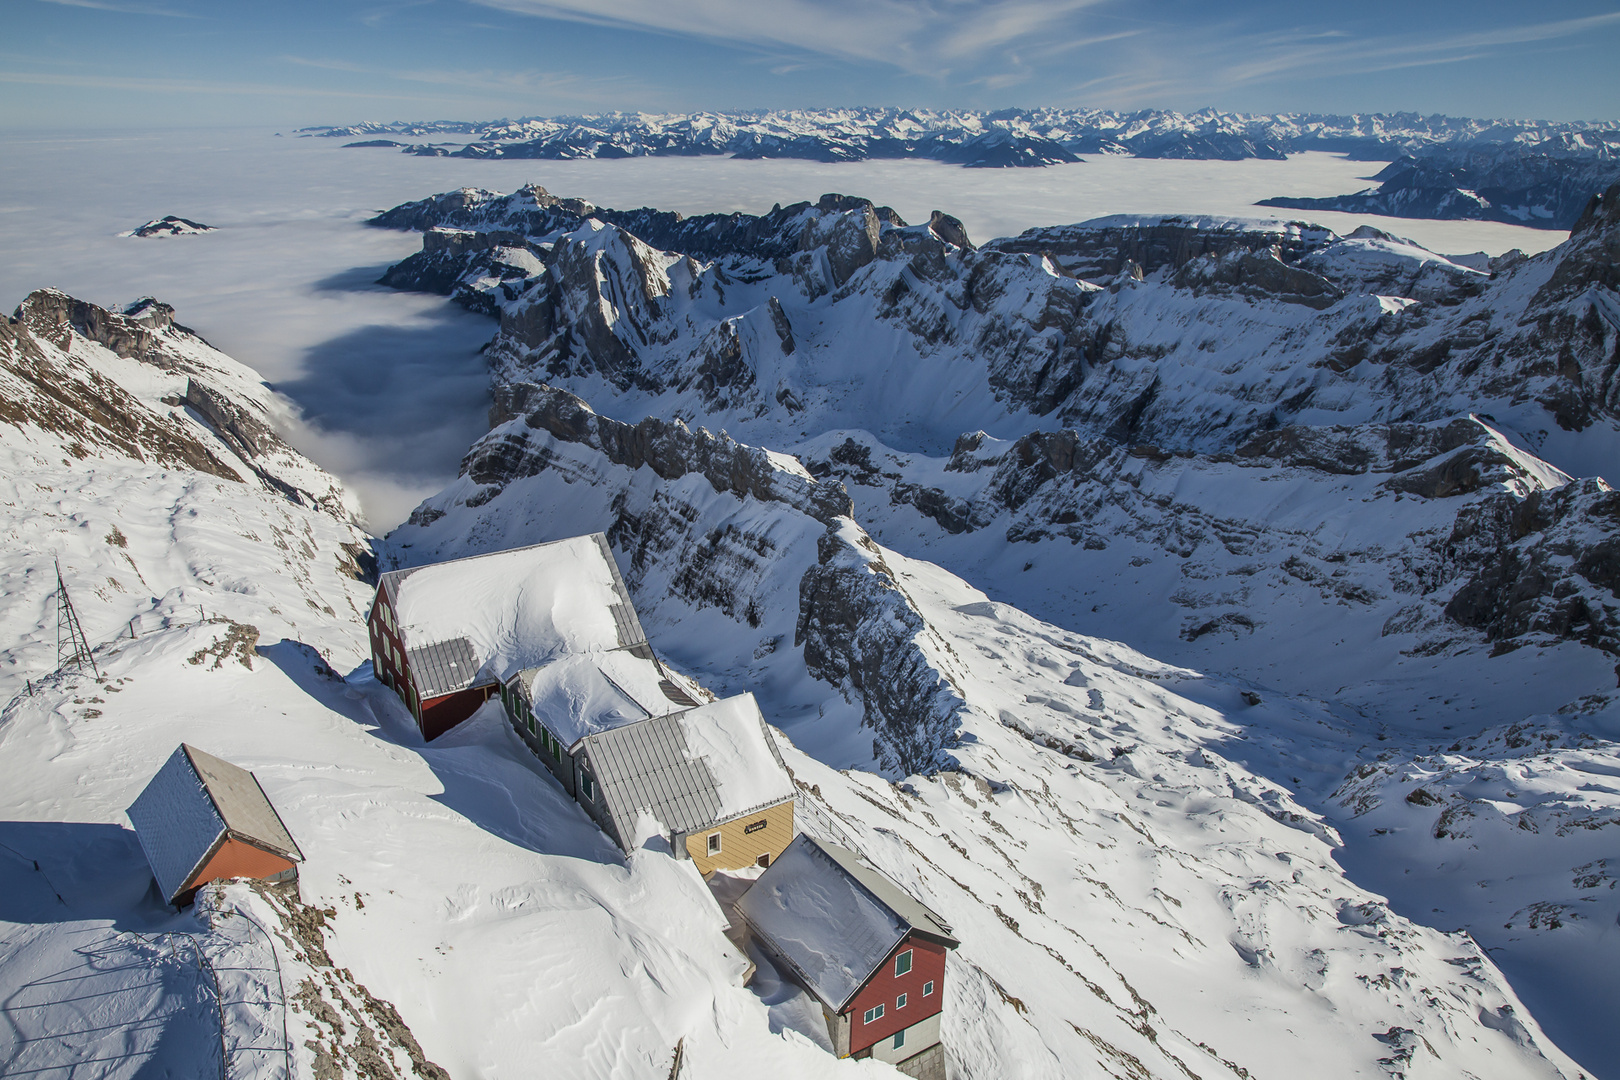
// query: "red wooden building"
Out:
[872,954]
[445,637]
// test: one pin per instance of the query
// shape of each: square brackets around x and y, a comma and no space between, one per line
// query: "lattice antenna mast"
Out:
[72,647]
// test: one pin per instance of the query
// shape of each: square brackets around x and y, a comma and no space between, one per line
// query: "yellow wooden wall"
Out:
[738,848]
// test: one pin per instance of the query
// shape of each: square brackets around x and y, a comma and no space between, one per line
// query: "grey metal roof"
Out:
[625,619]
[648,766]
[833,919]
[442,667]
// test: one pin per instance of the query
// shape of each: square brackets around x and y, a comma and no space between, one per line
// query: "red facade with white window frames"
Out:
[885,987]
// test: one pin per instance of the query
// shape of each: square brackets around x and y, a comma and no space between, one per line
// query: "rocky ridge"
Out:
[55,386]
[1006,137]
[1232,352]
[726,527]
[1546,186]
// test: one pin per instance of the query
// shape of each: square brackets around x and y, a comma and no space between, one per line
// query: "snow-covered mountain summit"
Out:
[1009,137]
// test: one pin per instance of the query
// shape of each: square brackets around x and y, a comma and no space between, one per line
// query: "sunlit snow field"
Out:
[391,385]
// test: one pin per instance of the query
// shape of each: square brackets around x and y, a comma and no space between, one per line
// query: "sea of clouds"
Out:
[388,389]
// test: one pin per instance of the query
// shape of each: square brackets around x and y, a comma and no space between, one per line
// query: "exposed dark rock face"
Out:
[1542,567]
[1513,184]
[782,541]
[534,212]
[1106,247]
[92,412]
[1257,275]
[1197,352]
[668,448]
[860,631]
[1521,562]
[172,226]
[1353,450]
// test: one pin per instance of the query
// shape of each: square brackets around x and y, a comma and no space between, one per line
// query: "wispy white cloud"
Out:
[929,37]
[1155,72]
[511,84]
[85,81]
[123,7]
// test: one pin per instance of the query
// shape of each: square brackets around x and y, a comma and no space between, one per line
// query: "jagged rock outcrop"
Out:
[205,408]
[1257,275]
[1516,551]
[1128,360]
[171,225]
[534,212]
[859,630]
[670,449]
[706,522]
[45,389]
[1543,567]
[1543,186]
[1108,246]
[1206,353]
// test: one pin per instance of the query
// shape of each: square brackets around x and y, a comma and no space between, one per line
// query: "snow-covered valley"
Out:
[1259,725]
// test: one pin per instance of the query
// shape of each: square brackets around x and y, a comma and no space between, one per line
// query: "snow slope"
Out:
[458,911]
[1143,866]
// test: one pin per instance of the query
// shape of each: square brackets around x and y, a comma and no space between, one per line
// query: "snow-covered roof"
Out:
[690,770]
[833,918]
[185,811]
[583,694]
[500,613]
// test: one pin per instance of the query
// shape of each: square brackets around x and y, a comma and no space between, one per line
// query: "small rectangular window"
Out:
[902,963]
[899,1038]
[588,786]
[714,843]
[874,1013]
[531,723]
[763,860]
[900,1002]
[928,988]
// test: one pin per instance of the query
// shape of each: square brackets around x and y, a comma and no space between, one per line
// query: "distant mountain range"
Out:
[1528,172]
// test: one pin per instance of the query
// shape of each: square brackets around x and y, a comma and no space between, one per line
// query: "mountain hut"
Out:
[201,819]
[870,953]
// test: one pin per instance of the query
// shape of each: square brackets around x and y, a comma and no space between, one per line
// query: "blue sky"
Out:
[99,63]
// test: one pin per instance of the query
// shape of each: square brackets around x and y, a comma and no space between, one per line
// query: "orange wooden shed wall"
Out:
[236,859]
